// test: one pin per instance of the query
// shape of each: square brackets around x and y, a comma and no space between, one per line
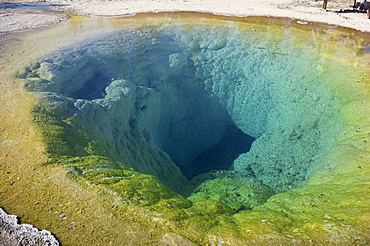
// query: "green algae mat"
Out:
[102,118]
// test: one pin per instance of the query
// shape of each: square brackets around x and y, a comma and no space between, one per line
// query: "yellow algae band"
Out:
[125,112]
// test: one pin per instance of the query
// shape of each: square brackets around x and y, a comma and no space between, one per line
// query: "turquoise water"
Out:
[158,98]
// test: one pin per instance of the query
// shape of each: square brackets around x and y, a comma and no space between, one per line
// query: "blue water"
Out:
[43,7]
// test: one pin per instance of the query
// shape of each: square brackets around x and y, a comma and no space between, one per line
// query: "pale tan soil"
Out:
[339,12]
[298,9]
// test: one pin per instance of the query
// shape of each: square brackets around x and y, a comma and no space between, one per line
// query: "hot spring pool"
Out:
[191,129]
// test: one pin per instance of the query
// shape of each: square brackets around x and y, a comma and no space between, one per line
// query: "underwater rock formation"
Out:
[153,98]
[237,193]
[14,234]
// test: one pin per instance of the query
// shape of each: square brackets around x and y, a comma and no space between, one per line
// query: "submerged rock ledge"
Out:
[174,91]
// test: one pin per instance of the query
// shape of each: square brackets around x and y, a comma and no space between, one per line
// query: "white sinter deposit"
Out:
[12,233]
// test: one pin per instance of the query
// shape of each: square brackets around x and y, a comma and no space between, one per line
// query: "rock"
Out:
[14,234]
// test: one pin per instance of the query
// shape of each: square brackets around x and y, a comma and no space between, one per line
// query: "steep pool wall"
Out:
[121,113]
[176,89]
